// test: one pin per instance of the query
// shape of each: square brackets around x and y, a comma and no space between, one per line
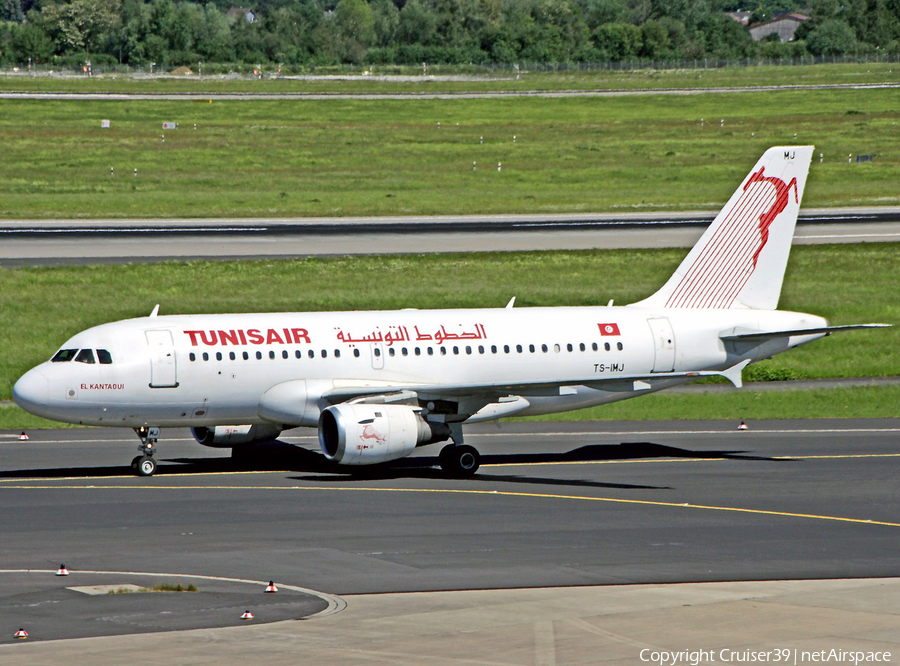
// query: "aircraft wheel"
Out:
[146,466]
[134,463]
[459,460]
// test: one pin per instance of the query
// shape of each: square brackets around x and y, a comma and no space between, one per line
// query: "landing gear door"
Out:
[163,371]
[663,344]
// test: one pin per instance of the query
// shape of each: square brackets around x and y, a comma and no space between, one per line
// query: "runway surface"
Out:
[554,504]
[60,242]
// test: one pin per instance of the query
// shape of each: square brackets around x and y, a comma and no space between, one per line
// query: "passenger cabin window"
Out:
[85,356]
[64,355]
[104,357]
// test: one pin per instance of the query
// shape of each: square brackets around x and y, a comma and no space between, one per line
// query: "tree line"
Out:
[300,33]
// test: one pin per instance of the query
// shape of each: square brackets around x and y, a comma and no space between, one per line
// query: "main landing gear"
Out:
[144,464]
[458,459]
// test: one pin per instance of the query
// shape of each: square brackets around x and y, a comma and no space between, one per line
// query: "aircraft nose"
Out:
[32,391]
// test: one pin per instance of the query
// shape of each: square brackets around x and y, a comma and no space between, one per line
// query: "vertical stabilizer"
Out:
[739,261]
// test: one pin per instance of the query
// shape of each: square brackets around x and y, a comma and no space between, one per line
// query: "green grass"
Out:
[476,79]
[161,587]
[745,404]
[354,157]
[42,307]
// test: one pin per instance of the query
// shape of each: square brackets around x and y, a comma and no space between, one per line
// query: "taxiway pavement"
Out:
[554,504]
[60,242]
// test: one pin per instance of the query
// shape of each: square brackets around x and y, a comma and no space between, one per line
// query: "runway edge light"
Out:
[23,437]
[247,615]
[21,633]
[743,426]
[271,587]
[62,571]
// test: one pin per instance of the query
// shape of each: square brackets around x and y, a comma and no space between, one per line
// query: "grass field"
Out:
[352,157]
[743,405]
[42,307]
[467,79]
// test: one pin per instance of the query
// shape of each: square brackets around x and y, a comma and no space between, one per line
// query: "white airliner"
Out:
[379,384]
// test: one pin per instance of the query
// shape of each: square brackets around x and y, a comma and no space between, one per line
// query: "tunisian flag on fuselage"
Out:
[609,329]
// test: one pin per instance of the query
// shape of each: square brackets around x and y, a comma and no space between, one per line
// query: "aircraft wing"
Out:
[476,396]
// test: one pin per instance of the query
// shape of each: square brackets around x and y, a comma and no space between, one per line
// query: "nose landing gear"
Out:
[144,464]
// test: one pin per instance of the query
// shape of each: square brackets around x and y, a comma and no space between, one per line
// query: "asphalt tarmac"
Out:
[63,242]
[554,504]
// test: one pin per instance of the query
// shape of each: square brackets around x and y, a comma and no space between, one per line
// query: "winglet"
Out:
[734,373]
[511,303]
[155,311]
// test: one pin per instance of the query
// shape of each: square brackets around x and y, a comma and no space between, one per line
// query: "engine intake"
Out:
[226,437]
[368,434]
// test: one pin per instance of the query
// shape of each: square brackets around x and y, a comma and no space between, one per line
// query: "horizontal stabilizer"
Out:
[827,330]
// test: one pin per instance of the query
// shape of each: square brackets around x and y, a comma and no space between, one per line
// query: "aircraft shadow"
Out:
[282,456]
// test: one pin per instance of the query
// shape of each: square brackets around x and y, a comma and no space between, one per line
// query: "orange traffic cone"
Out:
[62,571]
[247,615]
[21,633]
[743,426]
[23,437]
[271,587]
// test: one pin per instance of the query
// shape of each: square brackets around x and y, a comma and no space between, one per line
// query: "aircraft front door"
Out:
[163,371]
[663,344]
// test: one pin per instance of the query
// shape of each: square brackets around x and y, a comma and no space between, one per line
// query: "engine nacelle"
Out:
[368,434]
[226,437]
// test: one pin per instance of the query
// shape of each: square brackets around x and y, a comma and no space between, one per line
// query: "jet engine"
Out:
[226,437]
[368,434]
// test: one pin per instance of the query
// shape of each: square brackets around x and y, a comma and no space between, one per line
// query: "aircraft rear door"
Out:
[163,371]
[663,344]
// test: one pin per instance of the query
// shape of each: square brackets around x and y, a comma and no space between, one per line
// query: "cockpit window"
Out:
[104,357]
[64,355]
[85,356]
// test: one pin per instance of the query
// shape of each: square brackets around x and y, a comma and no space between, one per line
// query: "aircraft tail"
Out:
[739,261]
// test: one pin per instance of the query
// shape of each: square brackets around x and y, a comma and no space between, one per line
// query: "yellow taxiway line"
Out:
[459,491]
